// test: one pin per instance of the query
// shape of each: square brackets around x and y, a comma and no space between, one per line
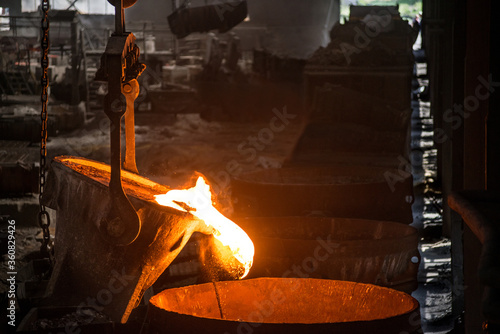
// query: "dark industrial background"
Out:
[454,146]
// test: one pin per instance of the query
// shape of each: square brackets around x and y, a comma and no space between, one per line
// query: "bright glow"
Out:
[198,201]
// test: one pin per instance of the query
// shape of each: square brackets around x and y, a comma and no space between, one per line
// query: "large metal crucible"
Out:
[112,238]
[90,271]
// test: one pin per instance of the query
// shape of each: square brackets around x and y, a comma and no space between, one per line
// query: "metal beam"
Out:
[72,4]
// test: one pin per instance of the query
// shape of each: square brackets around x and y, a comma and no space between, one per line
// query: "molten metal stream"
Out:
[198,202]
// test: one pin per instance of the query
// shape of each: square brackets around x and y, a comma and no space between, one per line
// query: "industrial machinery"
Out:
[222,16]
[118,231]
[112,212]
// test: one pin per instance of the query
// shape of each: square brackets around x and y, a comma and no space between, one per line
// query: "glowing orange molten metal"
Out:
[198,202]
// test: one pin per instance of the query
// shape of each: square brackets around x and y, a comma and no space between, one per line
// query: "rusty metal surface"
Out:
[91,271]
[130,90]
[288,305]
[120,67]
[354,191]
[366,251]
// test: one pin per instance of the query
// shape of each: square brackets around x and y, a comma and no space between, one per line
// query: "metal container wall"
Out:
[393,84]
[345,191]
[366,251]
[284,305]
[344,121]
[89,271]
[255,99]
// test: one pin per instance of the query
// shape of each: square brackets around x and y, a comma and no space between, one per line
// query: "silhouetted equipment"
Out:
[222,16]
[126,3]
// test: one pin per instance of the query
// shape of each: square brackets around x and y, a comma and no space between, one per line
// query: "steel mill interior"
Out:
[250,166]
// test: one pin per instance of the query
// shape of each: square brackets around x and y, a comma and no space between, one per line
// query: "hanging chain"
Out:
[43,215]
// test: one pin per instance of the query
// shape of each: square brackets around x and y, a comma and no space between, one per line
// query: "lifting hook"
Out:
[120,67]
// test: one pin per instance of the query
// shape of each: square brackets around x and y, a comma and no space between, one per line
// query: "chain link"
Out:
[43,216]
